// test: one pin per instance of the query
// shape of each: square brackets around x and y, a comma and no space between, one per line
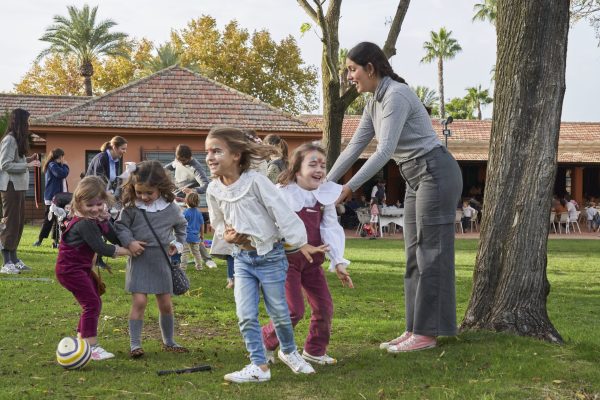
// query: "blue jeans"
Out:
[229,266]
[253,273]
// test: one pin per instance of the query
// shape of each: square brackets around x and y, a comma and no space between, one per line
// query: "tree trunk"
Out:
[479,110]
[441,87]
[333,117]
[87,70]
[510,285]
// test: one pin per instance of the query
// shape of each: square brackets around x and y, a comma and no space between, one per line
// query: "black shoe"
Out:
[54,245]
[38,243]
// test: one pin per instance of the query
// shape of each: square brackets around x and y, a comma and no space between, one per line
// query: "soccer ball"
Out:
[73,353]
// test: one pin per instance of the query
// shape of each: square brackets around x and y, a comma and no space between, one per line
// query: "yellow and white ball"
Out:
[73,353]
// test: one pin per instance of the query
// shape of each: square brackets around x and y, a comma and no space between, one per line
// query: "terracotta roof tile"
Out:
[175,98]
[39,106]
[579,142]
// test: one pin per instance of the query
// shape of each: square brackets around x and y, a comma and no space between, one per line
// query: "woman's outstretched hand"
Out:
[346,193]
[307,250]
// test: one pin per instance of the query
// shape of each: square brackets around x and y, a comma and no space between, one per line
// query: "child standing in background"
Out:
[248,210]
[468,212]
[279,161]
[314,202]
[195,235]
[148,201]
[81,240]
[374,216]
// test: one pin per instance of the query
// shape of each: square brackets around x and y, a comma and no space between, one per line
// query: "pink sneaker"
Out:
[414,343]
[398,340]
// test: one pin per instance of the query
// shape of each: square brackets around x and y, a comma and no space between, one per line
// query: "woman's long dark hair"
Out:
[54,155]
[18,126]
[280,144]
[367,52]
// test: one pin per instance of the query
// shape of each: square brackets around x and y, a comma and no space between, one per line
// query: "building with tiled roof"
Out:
[154,114]
[38,106]
[174,99]
[578,153]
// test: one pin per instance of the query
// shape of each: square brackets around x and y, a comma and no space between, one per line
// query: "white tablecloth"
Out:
[390,215]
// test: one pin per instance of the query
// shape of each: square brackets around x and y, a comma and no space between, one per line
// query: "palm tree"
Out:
[477,97]
[80,35]
[441,47]
[486,11]
[428,97]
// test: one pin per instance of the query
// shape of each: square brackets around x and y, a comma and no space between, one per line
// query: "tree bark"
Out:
[87,70]
[510,286]
[441,87]
[335,103]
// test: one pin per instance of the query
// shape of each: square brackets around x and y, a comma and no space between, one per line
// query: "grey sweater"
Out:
[12,167]
[398,120]
[168,224]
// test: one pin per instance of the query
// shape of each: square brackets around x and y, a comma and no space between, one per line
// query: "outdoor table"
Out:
[390,215]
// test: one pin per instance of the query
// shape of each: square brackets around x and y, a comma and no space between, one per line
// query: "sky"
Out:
[24,22]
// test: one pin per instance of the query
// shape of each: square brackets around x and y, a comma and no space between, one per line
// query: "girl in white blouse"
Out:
[314,202]
[248,210]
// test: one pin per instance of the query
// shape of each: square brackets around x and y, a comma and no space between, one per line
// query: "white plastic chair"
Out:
[564,219]
[474,221]
[553,220]
[458,221]
[573,222]
[363,216]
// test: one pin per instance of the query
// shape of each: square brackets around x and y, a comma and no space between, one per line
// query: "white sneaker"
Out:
[99,354]
[250,373]
[321,360]
[270,355]
[22,267]
[296,363]
[9,268]
[211,264]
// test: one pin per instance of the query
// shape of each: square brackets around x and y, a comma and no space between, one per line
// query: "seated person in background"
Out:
[189,176]
[468,212]
[571,208]
[363,201]
[572,201]
[559,206]
[352,203]
[593,216]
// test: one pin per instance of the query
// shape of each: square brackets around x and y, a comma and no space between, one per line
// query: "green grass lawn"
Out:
[36,314]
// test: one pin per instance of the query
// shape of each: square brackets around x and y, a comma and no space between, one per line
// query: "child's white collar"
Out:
[327,193]
[236,190]
[158,205]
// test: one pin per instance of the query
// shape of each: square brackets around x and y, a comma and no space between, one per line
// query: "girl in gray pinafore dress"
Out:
[149,190]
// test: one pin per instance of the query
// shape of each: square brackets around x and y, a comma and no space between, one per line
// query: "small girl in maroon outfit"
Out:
[81,240]
[314,202]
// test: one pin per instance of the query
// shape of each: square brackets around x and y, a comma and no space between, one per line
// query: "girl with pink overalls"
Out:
[314,202]
[81,240]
